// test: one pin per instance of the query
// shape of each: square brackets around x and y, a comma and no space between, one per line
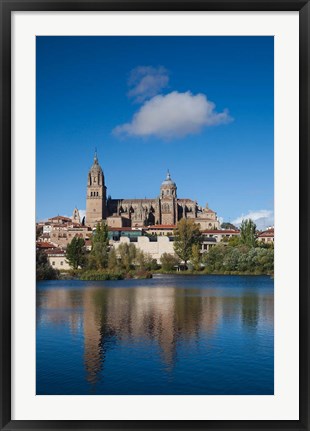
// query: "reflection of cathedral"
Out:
[166,209]
[167,317]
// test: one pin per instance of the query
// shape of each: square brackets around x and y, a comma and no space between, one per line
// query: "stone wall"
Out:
[58,261]
[155,248]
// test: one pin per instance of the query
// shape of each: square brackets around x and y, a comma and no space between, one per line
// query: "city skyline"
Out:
[205,113]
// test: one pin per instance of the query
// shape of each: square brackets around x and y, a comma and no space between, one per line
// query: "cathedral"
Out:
[165,210]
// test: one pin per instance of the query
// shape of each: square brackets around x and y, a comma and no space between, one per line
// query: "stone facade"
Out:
[62,235]
[156,247]
[76,216]
[57,259]
[166,209]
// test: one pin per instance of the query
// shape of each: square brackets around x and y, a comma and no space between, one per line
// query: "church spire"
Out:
[95,157]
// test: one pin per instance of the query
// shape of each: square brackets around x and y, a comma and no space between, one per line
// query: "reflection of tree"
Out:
[250,310]
[161,315]
[93,354]
[188,309]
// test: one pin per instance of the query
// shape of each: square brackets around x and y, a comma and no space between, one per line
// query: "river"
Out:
[170,335]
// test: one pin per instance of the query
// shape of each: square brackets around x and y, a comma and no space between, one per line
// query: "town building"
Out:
[57,258]
[166,209]
[59,231]
[266,236]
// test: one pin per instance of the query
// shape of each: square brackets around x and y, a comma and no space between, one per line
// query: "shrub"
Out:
[169,261]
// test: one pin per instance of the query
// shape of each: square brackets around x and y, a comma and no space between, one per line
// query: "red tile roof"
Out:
[44,244]
[60,218]
[221,231]
[58,251]
[266,234]
[161,226]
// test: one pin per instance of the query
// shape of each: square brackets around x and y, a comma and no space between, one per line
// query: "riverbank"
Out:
[140,275]
[103,275]
[205,272]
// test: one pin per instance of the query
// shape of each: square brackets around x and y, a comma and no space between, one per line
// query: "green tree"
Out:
[241,258]
[144,261]
[99,255]
[248,233]
[196,257]
[75,253]
[215,257]
[186,234]
[44,270]
[234,241]
[127,254]
[169,261]
[112,260]
[231,259]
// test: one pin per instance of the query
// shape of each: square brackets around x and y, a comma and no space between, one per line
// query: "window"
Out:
[61,263]
[53,263]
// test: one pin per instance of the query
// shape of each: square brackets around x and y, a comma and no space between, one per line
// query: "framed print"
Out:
[154,215]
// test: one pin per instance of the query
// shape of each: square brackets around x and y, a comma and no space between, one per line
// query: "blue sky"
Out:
[200,106]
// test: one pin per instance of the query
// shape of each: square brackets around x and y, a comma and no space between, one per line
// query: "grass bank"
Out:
[93,275]
[206,272]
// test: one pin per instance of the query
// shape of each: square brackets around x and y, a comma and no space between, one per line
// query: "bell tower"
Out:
[168,194]
[76,216]
[96,195]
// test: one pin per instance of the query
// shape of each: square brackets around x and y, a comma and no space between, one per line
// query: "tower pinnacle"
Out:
[95,156]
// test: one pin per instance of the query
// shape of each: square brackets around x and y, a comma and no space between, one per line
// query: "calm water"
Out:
[168,335]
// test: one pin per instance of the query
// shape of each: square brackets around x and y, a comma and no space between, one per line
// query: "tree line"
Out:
[103,262]
[240,254]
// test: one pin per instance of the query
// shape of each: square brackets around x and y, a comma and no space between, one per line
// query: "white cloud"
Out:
[173,115]
[262,218]
[147,81]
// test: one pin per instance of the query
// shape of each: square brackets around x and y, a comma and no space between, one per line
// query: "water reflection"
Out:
[164,316]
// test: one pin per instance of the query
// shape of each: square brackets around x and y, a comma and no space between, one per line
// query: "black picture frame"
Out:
[6,8]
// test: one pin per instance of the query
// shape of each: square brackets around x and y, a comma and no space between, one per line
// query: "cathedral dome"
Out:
[96,168]
[168,181]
